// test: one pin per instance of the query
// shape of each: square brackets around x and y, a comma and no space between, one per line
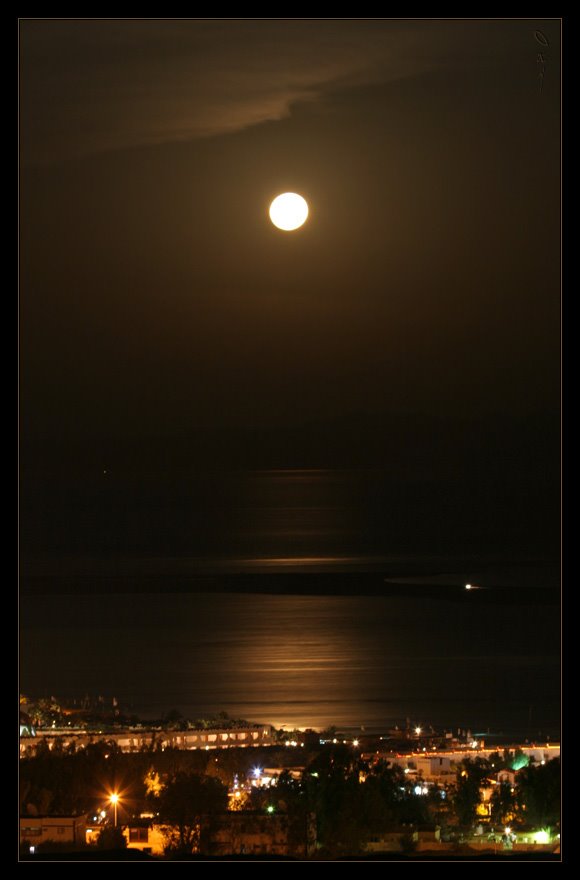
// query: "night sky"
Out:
[412,324]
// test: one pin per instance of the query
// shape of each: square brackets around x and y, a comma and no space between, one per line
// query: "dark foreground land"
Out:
[137,856]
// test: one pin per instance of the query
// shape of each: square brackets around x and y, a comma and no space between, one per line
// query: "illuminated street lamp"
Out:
[114,800]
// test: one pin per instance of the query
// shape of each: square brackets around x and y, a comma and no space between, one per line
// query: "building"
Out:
[397,839]
[428,835]
[252,832]
[270,775]
[435,768]
[440,766]
[35,830]
[222,738]
[392,840]
[134,740]
[507,776]
[145,835]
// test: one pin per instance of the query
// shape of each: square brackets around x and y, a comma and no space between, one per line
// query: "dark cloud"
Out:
[92,86]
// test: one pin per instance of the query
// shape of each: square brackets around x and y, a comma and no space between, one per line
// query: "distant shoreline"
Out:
[316,584]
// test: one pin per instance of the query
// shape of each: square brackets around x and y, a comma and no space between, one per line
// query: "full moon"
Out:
[288,211]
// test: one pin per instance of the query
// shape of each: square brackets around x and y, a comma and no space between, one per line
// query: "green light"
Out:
[542,837]
[519,762]
[270,809]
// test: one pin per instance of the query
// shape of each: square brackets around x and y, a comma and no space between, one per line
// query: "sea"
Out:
[299,598]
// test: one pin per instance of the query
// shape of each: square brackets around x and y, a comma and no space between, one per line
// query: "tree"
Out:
[471,776]
[503,804]
[174,720]
[181,804]
[333,760]
[516,760]
[498,761]
[407,843]
[539,793]
[340,821]
[45,712]
[111,838]
[152,782]
[227,764]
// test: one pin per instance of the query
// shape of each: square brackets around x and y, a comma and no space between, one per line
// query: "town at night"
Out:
[290,439]
[93,778]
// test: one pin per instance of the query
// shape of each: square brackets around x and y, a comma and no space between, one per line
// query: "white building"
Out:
[135,740]
[58,829]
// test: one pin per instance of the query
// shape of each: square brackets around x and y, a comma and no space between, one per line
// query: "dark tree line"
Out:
[65,781]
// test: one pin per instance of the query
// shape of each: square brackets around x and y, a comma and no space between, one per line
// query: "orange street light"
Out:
[114,798]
